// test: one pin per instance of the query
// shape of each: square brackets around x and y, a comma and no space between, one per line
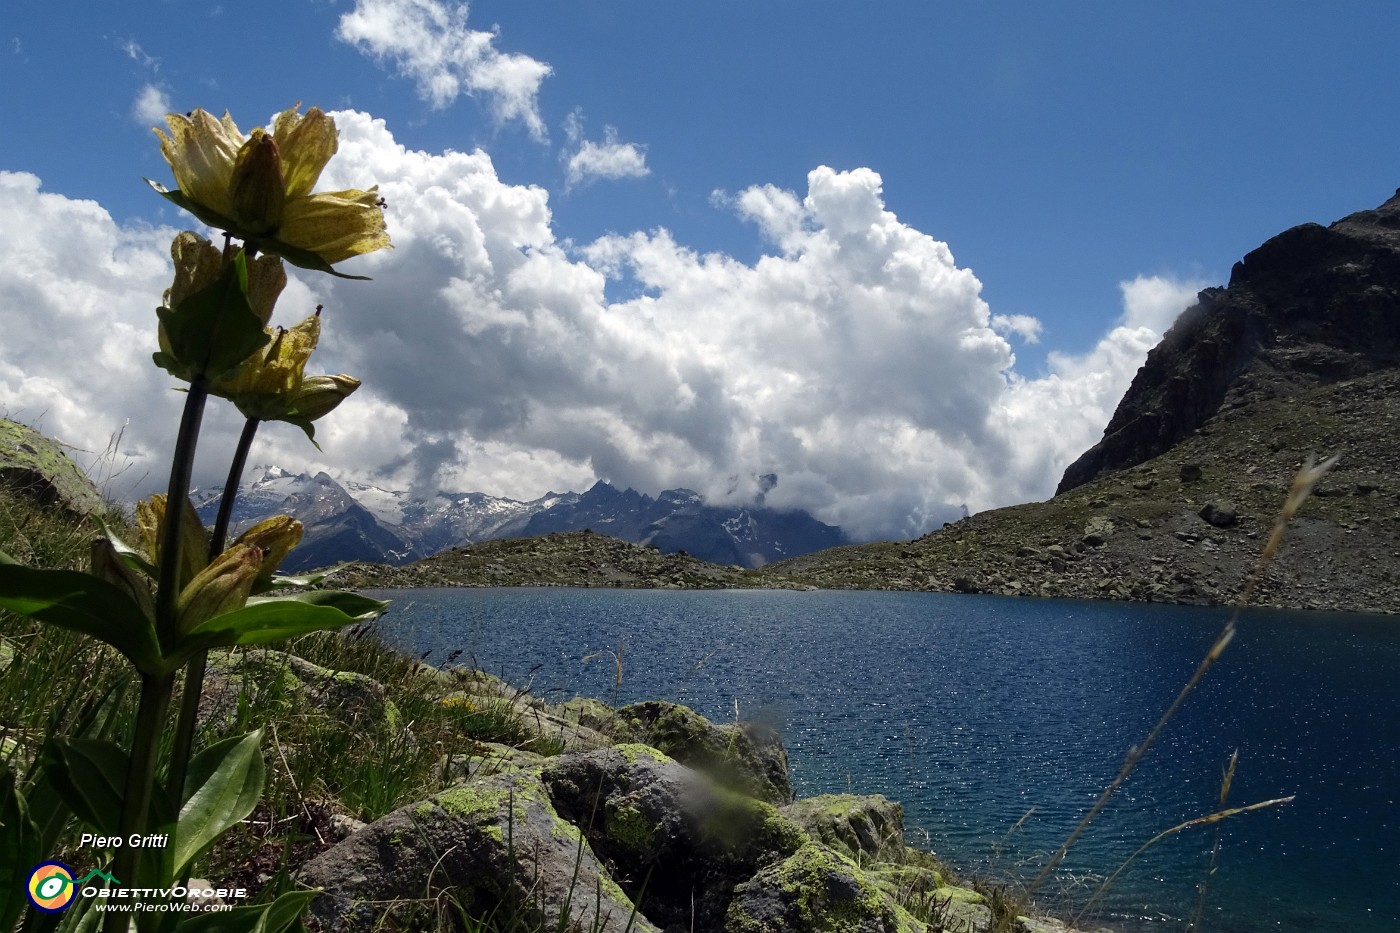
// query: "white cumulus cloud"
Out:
[1022,325]
[430,42]
[608,159]
[856,359]
[151,106]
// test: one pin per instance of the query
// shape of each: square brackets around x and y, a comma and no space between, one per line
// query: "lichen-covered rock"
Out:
[746,757]
[531,715]
[863,828]
[595,714]
[568,735]
[905,883]
[485,759]
[276,683]
[494,845]
[963,910]
[816,890]
[37,466]
[676,840]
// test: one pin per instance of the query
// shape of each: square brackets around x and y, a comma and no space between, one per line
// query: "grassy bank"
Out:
[377,747]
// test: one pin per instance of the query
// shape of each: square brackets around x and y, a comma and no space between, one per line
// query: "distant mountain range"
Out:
[355,521]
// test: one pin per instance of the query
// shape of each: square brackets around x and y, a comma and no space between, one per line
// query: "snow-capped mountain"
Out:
[358,521]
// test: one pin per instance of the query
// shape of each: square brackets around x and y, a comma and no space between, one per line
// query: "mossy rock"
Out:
[485,759]
[37,466]
[676,838]
[275,683]
[903,882]
[550,726]
[866,828]
[816,890]
[745,757]
[595,714]
[963,910]
[493,847]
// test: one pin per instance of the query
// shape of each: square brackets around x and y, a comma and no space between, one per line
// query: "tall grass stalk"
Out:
[1302,486]
[1210,818]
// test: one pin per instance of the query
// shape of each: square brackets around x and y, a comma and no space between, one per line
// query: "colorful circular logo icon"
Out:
[51,887]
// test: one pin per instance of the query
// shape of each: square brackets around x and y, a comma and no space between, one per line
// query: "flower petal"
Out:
[265,383]
[336,224]
[201,152]
[307,144]
[256,190]
[197,265]
[266,279]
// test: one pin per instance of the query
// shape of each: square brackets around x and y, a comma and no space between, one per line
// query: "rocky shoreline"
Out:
[648,817]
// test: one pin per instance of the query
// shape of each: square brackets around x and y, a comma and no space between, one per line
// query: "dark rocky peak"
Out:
[603,492]
[1310,306]
[680,498]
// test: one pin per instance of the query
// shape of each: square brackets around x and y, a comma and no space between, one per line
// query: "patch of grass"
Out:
[51,678]
[374,744]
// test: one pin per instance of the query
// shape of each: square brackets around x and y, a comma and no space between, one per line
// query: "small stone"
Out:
[965,584]
[1219,514]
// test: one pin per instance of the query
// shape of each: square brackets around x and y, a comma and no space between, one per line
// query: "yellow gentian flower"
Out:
[194,539]
[263,383]
[274,537]
[258,187]
[271,384]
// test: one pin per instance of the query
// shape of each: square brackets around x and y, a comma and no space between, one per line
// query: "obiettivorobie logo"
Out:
[52,886]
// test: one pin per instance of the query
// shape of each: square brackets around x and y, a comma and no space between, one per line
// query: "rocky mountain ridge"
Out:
[1297,356]
[360,522]
[1312,306]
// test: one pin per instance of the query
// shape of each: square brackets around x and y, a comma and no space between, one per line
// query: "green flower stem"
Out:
[140,780]
[235,476]
[181,469]
[156,691]
[194,670]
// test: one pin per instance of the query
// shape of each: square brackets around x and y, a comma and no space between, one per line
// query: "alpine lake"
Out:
[997,722]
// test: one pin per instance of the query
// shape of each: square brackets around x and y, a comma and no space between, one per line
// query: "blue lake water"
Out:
[971,711]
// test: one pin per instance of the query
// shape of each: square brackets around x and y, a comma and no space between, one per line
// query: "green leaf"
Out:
[359,608]
[304,258]
[21,851]
[82,917]
[223,784]
[287,581]
[134,558]
[90,776]
[306,426]
[176,197]
[279,916]
[269,620]
[82,603]
[214,329]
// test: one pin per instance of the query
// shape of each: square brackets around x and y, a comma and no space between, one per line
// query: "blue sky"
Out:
[1090,164]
